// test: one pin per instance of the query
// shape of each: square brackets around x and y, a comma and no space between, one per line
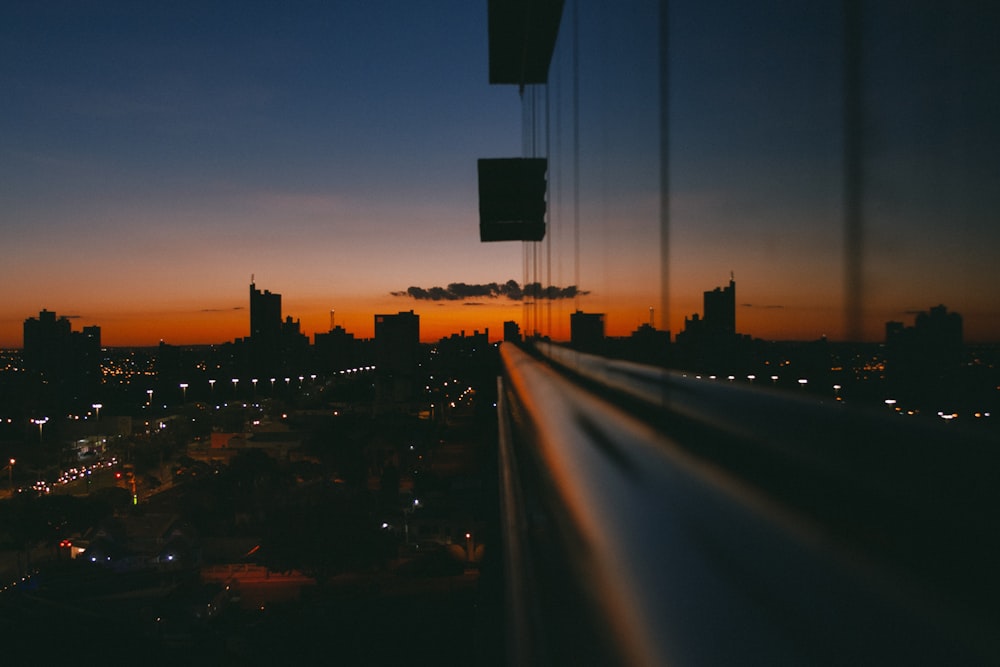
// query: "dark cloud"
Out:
[750,305]
[508,290]
[220,310]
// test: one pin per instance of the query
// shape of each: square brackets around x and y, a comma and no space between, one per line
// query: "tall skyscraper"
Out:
[265,331]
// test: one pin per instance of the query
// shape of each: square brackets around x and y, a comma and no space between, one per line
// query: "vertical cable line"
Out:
[853,182]
[527,126]
[664,166]
[576,154]
[548,209]
[534,246]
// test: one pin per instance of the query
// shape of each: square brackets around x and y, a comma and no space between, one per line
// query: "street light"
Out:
[211,386]
[41,422]
[97,407]
[10,474]
[184,392]
[254,381]
[149,397]
[236,381]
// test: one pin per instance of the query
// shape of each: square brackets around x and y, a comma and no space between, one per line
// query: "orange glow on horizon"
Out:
[440,319]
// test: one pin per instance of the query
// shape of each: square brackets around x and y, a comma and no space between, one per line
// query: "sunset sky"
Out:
[155,156]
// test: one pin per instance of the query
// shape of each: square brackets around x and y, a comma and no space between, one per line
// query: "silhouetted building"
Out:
[397,355]
[720,310]
[294,346]
[922,361]
[586,331]
[511,332]
[335,350]
[710,342]
[46,339]
[265,332]
[719,322]
[65,364]
[648,345]
[276,346]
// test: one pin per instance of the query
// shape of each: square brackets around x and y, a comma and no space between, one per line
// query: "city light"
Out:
[40,422]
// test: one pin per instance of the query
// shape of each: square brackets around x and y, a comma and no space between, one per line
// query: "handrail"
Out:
[680,559]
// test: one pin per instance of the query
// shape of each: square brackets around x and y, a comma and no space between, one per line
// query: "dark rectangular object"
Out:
[522,35]
[512,199]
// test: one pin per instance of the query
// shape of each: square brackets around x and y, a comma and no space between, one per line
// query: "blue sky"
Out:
[159,154]
[155,155]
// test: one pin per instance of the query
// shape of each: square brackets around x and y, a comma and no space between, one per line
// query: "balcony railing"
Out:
[656,519]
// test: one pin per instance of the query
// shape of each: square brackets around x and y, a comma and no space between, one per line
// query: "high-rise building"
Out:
[265,331]
[511,332]
[924,360]
[46,343]
[65,364]
[720,310]
[265,314]
[397,355]
[718,325]
[586,331]
[710,342]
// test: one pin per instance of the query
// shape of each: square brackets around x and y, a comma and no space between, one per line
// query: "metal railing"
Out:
[653,519]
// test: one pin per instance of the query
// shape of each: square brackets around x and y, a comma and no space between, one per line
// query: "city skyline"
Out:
[719,304]
[153,159]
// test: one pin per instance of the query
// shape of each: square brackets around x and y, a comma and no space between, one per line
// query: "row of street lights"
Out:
[236,381]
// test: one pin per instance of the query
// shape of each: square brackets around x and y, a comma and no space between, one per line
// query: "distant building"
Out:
[922,361]
[719,322]
[586,331]
[294,346]
[710,342]
[265,332]
[511,332]
[720,310]
[275,346]
[335,350]
[936,332]
[649,345]
[65,364]
[397,356]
